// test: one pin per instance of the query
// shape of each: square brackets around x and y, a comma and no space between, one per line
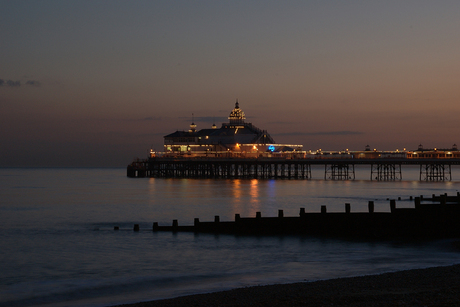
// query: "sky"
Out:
[99,83]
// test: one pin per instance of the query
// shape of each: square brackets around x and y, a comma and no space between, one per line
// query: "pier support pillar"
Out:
[386,171]
[340,171]
[435,172]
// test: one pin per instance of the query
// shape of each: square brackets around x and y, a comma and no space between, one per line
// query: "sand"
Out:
[439,286]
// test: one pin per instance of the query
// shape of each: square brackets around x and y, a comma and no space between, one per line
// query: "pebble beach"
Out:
[438,286]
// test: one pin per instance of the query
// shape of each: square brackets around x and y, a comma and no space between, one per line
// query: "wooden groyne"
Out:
[431,217]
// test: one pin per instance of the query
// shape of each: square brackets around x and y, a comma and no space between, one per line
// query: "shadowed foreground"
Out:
[438,286]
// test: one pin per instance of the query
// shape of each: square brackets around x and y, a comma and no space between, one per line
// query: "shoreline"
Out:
[435,286]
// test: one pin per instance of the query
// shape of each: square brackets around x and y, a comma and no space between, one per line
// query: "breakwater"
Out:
[431,217]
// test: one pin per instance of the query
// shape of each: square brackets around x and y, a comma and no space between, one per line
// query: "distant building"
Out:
[235,138]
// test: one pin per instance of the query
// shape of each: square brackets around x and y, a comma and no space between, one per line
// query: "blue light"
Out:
[271,148]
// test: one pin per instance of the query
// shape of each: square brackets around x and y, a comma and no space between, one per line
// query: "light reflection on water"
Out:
[59,244]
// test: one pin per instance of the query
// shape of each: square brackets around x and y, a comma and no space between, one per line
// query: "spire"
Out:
[237,115]
[192,125]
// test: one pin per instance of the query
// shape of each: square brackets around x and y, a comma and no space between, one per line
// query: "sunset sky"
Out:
[98,83]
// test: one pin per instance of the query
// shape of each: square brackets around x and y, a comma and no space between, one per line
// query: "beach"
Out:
[437,286]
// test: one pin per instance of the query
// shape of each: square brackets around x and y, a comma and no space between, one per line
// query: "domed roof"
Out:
[237,115]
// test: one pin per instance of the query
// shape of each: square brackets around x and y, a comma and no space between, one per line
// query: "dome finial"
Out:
[192,125]
[214,123]
[237,115]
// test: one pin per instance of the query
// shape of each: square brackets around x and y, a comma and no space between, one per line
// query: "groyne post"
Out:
[371,206]
[392,205]
[443,199]
[347,208]
[216,219]
[417,202]
[302,212]
[175,225]
[280,213]
[323,209]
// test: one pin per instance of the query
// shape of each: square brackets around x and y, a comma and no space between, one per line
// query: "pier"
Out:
[435,169]
[241,150]
[431,217]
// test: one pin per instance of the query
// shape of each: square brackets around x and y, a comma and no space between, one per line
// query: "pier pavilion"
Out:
[237,137]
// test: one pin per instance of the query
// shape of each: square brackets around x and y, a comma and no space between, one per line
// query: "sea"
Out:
[58,245]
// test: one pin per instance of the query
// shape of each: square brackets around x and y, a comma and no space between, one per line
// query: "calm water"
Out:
[58,246]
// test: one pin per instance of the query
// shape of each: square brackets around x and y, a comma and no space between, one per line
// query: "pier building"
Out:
[241,150]
[236,138]
[436,153]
